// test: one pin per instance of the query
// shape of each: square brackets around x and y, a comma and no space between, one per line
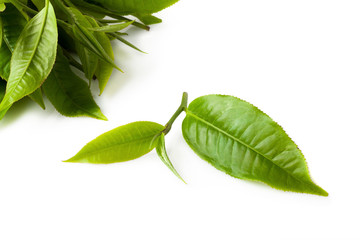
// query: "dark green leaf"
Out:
[69,94]
[14,24]
[239,139]
[161,151]
[121,144]
[33,57]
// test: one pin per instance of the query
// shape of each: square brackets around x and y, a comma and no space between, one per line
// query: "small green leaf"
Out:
[111,28]
[240,140]
[121,144]
[161,151]
[127,7]
[104,69]
[69,94]
[33,57]
[148,19]
[38,98]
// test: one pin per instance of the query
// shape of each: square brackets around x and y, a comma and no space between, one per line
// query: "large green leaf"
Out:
[69,94]
[161,151]
[1,32]
[121,144]
[33,56]
[127,7]
[13,24]
[104,69]
[239,139]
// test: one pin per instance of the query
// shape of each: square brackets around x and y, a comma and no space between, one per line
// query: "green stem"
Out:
[181,108]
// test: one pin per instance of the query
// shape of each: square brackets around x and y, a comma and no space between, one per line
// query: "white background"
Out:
[298,61]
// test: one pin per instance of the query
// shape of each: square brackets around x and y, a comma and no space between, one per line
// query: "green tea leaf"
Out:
[5,57]
[127,7]
[240,140]
[69,94]
[161,151]
[88,59]
[148,19]
[13,24]
[33,57]
[38,98]
[121,144]
[2,94]
[87,38]
[112,28]
[104,69]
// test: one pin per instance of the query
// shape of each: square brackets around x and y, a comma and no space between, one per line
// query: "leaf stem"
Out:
[181,108]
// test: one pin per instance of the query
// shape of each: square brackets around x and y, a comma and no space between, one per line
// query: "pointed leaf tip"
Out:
[242,141]
[161,151]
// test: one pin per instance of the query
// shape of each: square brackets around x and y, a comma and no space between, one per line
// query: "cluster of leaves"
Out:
[41,40]
[231,134]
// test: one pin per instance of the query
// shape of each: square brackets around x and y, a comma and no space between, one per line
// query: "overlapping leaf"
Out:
[239,139]
[69,94]
[33,56]
[120,144]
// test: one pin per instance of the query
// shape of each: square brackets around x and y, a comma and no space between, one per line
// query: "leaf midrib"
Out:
[242,143]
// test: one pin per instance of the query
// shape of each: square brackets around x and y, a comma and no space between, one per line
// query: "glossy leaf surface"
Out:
[33,56]
[126,7]
[240,140]
[69,94]
[121,144]
[161,151]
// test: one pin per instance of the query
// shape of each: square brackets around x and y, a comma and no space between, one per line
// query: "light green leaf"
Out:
[127,7]
[161,151]
[121,144]
[240,140]
[33,57]
[111,28]
[148,19]
[13,24]
[69,94]
[104,69]
[2,7]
